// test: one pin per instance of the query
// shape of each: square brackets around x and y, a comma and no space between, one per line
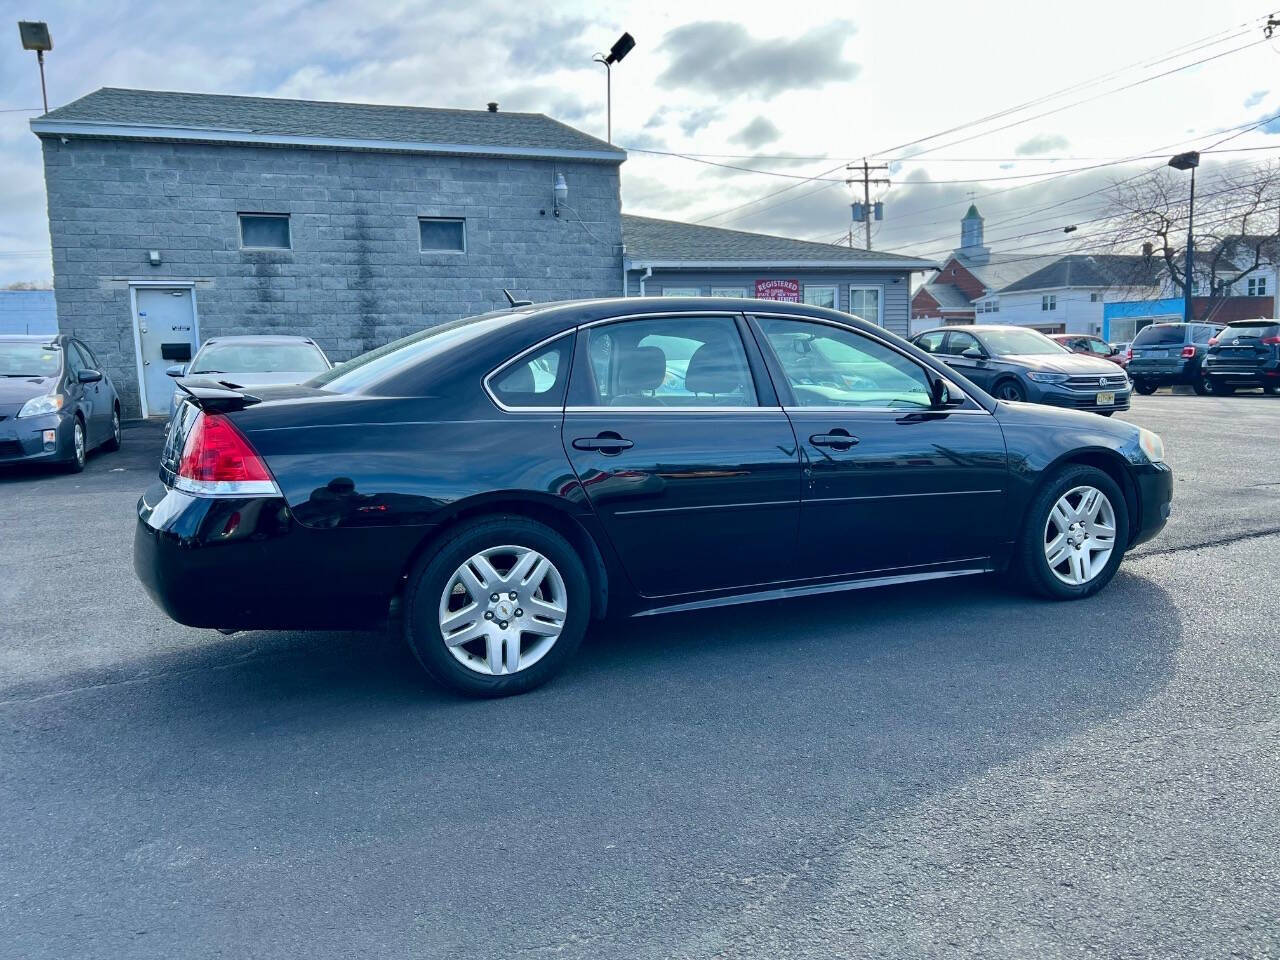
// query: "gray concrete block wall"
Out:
[354,278]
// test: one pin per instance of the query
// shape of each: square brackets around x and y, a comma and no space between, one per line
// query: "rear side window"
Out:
[931,342]
[1160,334]
[536,379]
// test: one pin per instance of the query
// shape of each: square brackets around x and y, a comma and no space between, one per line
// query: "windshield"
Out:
[23,359]
[1160,333]
[359,372]
[259,358]
[1015,342]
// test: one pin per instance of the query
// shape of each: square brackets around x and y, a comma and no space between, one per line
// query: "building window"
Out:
[265,231]
[1049,302]
[1095,297]
[820,296]
[682,291]
[867,303]
[1257,286]
[739,292]
[442,235]
[989,306]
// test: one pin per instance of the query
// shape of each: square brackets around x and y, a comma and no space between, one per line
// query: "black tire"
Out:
[1029,565]
[112,443]
[1272,389]
[1010,389]
[1145,387]
[1200,385]
[78,451]
[432,573]
[1220,388]
[1106,413]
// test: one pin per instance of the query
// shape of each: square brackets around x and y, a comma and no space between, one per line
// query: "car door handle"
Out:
[837,439]
[606,443]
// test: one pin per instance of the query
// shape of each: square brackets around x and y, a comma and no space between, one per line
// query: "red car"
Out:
[1091,346]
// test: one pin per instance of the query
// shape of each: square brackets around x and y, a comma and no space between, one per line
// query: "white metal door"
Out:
[166,325]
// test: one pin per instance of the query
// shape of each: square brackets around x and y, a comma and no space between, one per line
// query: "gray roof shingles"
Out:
[648,238]
[1099,270]
[310,118]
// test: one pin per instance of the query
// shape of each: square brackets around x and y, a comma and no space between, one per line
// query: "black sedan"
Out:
[56,404]
[510,477]
[1015,363]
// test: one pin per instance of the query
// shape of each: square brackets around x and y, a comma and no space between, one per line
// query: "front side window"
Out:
[265,231]
[1019,342]
[865,302]
[537,379]
[829,366]
[86,357]
[819,296]
[668,362]
[75,360]
[1049,302]
[442,235]
[958,343]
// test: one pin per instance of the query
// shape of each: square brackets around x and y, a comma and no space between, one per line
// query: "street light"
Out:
[615,55]
[1188,161]
[35,36]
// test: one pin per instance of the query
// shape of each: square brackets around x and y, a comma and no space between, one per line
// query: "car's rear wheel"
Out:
[1076,530]
[1200,385]
[497,609]
[1010,390]
[1221,388]
[1272,389]
[113,441]
[1145,387]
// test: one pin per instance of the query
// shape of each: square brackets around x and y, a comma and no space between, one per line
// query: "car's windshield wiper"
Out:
[27,376]
[196,373]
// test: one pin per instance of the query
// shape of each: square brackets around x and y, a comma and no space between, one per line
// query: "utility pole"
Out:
[867,181]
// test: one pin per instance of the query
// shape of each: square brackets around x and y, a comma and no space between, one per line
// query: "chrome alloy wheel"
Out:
[503,610]
[77,436]
[1080,535]
[115,425]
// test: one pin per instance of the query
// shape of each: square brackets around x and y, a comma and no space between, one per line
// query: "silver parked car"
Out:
[253,361]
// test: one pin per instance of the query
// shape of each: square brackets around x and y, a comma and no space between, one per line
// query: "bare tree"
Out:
[1237,224]
[26,285]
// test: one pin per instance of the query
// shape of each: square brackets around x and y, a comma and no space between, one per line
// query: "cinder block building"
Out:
[176,217]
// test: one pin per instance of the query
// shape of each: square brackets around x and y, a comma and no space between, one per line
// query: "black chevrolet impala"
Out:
[512,476]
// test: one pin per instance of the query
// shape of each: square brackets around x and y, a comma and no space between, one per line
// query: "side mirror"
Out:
[973,353]
[945,394]
[89,376]
[177,370]
[1113,351]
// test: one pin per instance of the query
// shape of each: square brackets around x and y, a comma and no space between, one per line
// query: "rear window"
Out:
[1251,328]
[240,357]
[1160,333]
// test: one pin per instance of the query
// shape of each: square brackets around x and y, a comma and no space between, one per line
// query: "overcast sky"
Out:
[748,81]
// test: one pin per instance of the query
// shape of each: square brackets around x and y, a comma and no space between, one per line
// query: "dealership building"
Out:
[177,217]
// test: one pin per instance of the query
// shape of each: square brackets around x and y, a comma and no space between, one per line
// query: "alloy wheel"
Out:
[503,610]
[1080,535]
[1010,391]
[78,438]
[115,425]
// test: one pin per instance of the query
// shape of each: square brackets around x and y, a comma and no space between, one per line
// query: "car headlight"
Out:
[1039,377]
[1151,445]
[36,406]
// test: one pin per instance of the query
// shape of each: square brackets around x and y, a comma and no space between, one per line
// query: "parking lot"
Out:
[904,772]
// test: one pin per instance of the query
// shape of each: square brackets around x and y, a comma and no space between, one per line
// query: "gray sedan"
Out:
[253,361]
[56,404]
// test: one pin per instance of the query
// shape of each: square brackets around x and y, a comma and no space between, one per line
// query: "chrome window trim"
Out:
[493,397]
[663,409]
[884,343]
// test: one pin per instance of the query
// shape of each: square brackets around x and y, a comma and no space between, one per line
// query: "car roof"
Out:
[260,338]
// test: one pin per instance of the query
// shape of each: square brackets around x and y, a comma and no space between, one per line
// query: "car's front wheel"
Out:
[1145,387]
[113,442]
[1075,533]
[1010,390]
[79,448]
[498,608]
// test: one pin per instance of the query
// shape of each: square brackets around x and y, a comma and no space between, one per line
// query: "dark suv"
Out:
[1165,354]
[1245,353]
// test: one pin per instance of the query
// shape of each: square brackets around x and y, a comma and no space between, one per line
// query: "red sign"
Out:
[788,290]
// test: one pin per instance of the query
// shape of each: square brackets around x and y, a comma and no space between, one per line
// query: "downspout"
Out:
[648,272]
[624,271]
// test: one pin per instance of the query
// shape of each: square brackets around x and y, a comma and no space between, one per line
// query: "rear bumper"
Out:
[1163,371]
[247,564]
[1155,501]
[1261,374]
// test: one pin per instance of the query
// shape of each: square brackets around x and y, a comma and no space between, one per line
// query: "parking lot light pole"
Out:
[1188,161]
[615,55]
[35,36]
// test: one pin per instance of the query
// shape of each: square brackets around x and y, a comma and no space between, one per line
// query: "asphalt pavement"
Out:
[950,769]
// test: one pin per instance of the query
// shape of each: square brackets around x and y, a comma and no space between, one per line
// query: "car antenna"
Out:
[514,302]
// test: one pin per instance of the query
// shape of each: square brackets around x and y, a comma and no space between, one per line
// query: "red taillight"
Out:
[1271,339]
[1188,351]
[217,459]
[1128,353]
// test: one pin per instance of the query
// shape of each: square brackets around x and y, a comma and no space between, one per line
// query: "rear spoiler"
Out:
[216,396]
